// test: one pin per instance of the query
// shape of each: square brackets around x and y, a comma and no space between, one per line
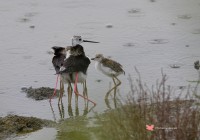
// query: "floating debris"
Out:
[134,11]
[158,41]
[185,16]
[41,93]
[109,26]
[98,80]
[24,20]
[196,31]
[32,26]
[30,14]
[129,45]
[175,66]
[173,23]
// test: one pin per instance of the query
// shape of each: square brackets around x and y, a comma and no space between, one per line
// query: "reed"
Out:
[174,115]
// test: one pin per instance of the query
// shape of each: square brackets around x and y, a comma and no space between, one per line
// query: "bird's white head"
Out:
[77,40]
[98,58]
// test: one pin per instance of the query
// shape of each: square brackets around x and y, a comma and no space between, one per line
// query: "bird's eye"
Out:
[80,39]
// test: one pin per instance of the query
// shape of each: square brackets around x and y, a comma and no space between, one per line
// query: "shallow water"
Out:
[45,133]
[143,34]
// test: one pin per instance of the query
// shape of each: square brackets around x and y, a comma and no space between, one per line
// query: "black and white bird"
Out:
[59,57]
[74,67]
[110,68]
[58,61]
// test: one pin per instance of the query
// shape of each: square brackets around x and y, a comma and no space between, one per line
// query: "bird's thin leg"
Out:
[69,93]
[76,110]
[107,94]
[107,103]
[70,112]
[54,93]
[114,81]
[76,100]
[85,111]
[115,102]
[75,88]
[85,91]
[85,94]
[54,115]
[76,91]
[61,110]
[119,82]
[115,90]
[61,90]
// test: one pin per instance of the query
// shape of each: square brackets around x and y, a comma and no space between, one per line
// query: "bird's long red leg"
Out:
[76,92]
[54,93]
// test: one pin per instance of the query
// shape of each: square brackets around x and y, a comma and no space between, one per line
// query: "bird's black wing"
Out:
[76,64]
[57,62]
[57,50]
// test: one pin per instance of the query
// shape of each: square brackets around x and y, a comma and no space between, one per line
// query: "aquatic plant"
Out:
[169,114]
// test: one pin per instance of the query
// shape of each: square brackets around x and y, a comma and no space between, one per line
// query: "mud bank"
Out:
[41,93]
[12,125]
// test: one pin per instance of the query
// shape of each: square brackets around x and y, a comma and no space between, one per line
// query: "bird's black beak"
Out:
[92,58]
[90,41]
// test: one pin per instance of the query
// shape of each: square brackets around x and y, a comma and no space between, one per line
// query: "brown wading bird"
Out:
[110,68]
[73,69]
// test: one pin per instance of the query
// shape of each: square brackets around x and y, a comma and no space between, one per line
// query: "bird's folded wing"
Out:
[75,64]
[115,66]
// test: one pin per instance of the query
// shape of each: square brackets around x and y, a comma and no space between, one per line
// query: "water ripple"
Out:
[158,41]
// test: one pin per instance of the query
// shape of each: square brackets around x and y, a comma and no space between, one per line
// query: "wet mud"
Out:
[12,125]
[41,93]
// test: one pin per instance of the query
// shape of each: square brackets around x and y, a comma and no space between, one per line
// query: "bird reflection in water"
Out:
[70,111]
[107,101]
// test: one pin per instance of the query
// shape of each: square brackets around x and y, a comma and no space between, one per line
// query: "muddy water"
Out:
[145,34]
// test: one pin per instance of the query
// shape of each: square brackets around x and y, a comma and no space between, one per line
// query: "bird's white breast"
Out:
[68,54]
[81,77]
[105,70]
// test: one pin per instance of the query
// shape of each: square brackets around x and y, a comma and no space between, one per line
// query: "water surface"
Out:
[144,34]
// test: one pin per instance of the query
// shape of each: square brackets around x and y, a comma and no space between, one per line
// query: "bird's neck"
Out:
[68,54]
[98,65]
